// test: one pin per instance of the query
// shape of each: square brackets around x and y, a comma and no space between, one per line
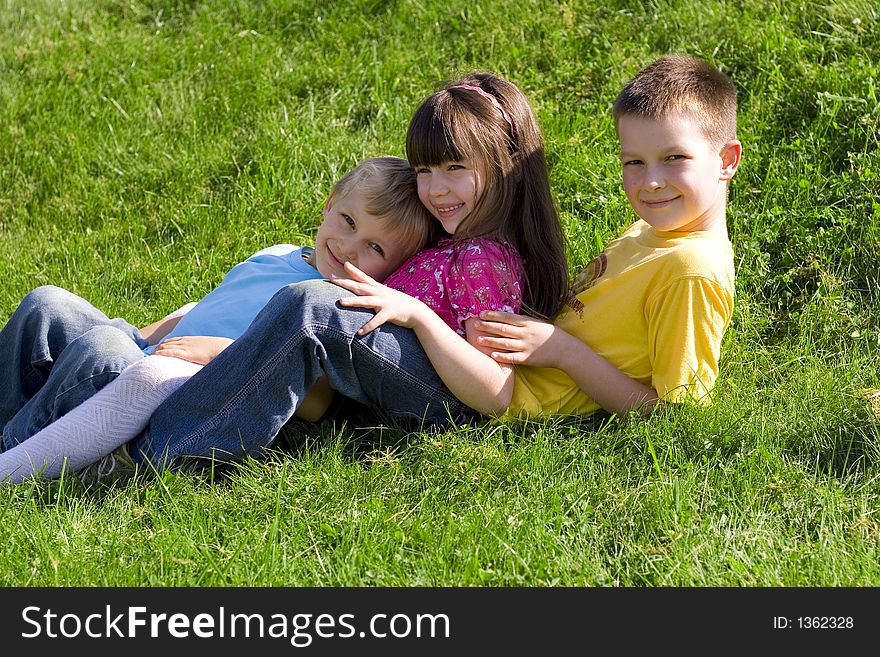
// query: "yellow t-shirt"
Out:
[655,305]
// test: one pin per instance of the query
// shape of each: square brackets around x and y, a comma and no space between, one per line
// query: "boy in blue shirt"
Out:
[372,217]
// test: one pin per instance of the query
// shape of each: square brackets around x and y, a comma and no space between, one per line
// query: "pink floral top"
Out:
[458,279]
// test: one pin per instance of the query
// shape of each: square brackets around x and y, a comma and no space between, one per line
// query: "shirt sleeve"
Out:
[485,276]
[279,250]
[686,323]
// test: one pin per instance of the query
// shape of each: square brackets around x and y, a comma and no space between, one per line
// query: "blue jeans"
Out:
[237,404]
[57,350]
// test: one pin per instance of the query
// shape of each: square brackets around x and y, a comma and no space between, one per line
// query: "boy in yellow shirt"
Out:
[646,317]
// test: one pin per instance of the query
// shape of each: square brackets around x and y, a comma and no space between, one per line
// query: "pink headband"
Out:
[492,99]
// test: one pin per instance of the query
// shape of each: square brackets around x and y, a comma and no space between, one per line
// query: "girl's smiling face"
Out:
[450,191]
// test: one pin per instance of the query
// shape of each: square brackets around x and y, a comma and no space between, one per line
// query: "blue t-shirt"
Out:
[228,309]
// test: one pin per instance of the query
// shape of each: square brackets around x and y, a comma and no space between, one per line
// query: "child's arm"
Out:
[517,339]
[470,374]
[154,332]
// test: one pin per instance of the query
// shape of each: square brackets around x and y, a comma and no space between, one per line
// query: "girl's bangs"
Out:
[431,138]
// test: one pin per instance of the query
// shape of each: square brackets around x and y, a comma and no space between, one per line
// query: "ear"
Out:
[731,153]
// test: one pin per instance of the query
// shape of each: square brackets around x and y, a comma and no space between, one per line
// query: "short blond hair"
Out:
[681,83]
[390,189]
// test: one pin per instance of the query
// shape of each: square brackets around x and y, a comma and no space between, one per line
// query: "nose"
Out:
[654,179]
[439,185]
[347,250]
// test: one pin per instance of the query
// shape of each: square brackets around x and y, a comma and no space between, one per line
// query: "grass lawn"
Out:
[146,146]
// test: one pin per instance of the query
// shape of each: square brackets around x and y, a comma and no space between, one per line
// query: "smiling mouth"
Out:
[339,263]
[447,210]
[659,203]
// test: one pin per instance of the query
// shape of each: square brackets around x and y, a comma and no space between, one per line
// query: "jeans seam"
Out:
[442,392]
[78,384]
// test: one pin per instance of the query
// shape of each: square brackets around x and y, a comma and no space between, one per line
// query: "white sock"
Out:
[113,416]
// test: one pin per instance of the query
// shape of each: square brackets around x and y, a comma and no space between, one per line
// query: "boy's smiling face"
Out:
[351,234]
[674,177]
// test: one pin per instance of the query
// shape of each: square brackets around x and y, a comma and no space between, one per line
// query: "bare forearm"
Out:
[471,375]
[530,342]
[603,382]
[154,332]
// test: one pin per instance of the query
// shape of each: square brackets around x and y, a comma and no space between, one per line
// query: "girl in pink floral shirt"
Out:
[481,171]
[458,279]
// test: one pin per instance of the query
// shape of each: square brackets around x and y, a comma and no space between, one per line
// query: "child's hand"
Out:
[201,349]
[390,305]
[517,339]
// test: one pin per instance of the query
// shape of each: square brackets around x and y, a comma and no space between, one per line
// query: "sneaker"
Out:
[116,465]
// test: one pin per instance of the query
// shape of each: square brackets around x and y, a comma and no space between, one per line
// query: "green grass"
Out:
[147,146]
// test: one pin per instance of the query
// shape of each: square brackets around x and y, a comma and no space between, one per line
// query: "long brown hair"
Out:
[489,120]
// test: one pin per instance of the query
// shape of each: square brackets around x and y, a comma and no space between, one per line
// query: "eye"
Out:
[631,162]
[378,249]
[455,166]
[348,220]
[421,170]
[675,157]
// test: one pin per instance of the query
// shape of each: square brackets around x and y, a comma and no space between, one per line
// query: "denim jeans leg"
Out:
[57,350]
[237,404]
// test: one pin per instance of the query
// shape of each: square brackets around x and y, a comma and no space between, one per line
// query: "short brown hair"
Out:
[681,83]
[389,187]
